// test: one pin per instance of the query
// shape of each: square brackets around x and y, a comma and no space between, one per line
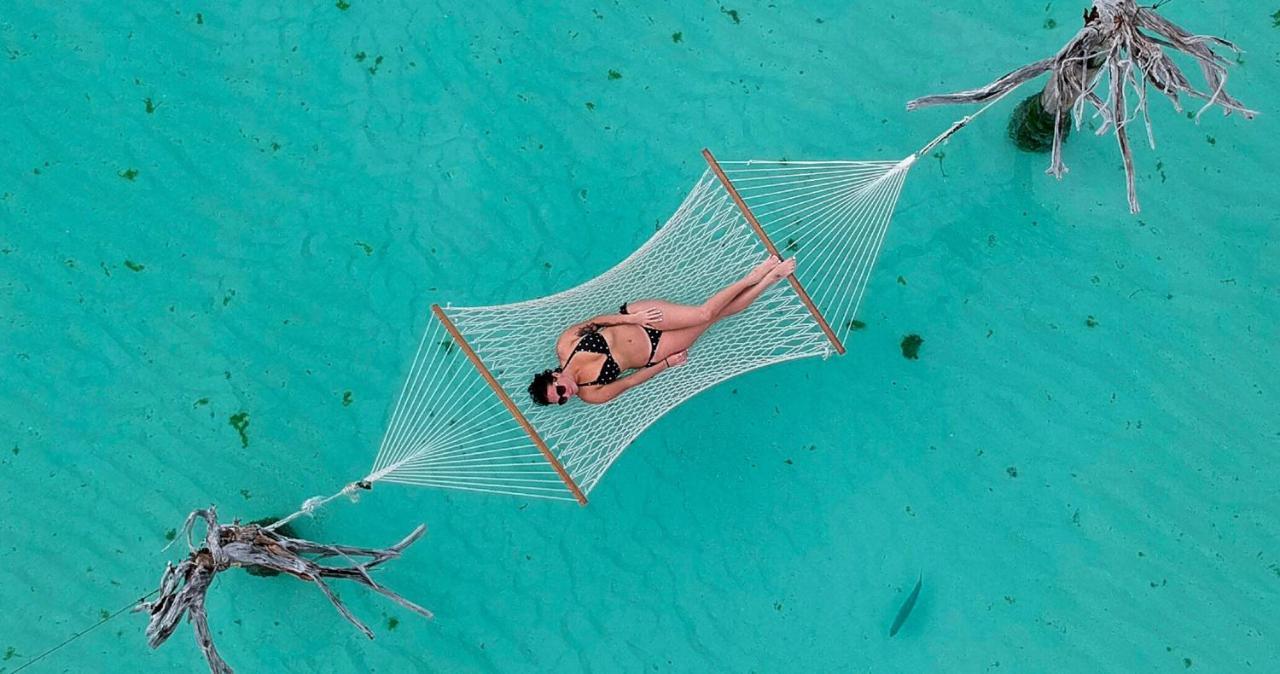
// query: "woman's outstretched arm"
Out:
[605,320]
[642,317]
[604,394]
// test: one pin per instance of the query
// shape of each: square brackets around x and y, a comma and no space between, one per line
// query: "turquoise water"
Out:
[1081,463]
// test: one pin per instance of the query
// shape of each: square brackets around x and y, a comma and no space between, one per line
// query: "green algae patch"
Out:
[240,422]
[10,653]
[128,174]
[855,324]
[261,571]
[614,75]
[342,5]
[911,346]
[368,250]
[151,106]
[1091,322]
[347,398]
[392,623]
[16,450]
[731,13]
[1031,126]
[201,402]
[446,345]
[199,19]
[170,534]
[134,266]
[1012,471]
[677,37]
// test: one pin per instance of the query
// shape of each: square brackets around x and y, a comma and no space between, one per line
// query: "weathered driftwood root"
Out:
[183,587]
[1128,43]
[285,530]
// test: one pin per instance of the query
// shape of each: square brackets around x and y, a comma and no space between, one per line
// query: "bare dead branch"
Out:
[1129,42]
[183,587]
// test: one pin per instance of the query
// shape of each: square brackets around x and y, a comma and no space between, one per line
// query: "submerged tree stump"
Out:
[183,587]
[1031,127]
[1131,44]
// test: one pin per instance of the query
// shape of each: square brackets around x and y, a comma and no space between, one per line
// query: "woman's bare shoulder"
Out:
[564,343]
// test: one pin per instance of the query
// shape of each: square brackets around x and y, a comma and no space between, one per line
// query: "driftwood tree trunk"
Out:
[1043,118]
[1128,42]
[183,587]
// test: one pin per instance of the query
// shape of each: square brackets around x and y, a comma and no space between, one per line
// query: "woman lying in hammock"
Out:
[646,335]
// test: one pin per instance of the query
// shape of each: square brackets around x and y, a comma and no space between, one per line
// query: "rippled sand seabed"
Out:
[211,209]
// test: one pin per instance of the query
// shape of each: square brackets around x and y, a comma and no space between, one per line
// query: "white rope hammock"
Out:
[463,419]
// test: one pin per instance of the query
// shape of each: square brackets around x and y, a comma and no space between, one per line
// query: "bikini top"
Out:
[594,342]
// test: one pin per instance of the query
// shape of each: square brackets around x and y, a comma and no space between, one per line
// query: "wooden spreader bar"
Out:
[768,244]
[511,406]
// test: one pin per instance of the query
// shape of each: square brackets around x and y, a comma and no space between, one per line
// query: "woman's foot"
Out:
[777,272]
[757,274]
[781,270]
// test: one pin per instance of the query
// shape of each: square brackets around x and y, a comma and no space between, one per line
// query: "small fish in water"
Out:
[907,605]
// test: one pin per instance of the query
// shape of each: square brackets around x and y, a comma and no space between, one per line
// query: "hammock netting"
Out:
[464,419]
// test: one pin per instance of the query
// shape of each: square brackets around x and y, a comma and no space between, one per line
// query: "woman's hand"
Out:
[647,317]
[677,359]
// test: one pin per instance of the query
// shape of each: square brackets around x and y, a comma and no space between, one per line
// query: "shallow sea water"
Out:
[223,208]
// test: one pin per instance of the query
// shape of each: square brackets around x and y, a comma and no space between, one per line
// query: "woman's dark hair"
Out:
[538,389]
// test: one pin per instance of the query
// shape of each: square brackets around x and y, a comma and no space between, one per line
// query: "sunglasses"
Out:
[560,391]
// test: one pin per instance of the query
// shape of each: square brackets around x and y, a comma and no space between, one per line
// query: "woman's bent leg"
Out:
[744,299]
[680,316]
[675,341]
